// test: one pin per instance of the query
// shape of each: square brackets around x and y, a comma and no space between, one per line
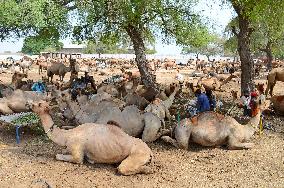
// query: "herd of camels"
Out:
[115,129]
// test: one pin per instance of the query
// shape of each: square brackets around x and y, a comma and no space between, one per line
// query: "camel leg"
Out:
[267,88]
[135,162]
[151,128]
[170,140]
[271,89]
[234,144]
[163,123]
[77,155]
[182,135]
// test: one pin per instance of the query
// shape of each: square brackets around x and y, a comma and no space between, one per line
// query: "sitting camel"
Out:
[275,75]
[161,108]
[16,102]
[213,83]
[97,143]
[213,129]
[17,80]
[131,119]
[278,104]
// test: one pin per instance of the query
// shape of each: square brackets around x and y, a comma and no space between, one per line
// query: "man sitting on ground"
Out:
[202,101]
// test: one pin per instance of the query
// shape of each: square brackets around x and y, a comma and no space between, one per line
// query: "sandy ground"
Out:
[32,163]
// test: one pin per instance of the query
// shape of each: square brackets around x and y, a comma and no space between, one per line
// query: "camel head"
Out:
[156,101]
[19,76]
[40,107]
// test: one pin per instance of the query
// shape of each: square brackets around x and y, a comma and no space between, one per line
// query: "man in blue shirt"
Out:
[202,101]
[39,87]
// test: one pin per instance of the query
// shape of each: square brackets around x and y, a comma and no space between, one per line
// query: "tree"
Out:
[250,12]
[210,45]
[104,47]
[36,44]
[141,20]
[269,32]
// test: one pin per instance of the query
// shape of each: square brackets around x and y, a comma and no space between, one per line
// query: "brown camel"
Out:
[213,129]
[131,119]
[17,100]
[275,75]
[97,143]
[278,104]
[213,83]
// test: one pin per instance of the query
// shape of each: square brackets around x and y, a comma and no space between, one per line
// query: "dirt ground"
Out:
[32,163]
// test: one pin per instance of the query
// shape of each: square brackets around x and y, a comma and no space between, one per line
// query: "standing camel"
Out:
[275,75]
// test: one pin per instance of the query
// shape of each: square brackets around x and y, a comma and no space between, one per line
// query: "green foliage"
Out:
[25,18]
[108,47]
[208,46]
[231,46]
[267,21]
[104,19]
[46,40]
[170,19]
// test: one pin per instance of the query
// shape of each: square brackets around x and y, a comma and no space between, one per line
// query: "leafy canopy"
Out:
[170,19]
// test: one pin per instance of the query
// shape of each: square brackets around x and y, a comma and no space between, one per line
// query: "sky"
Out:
[218,14]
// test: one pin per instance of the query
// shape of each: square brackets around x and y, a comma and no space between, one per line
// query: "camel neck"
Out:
[254,121]
[55,134]
[168,103]
[227,80]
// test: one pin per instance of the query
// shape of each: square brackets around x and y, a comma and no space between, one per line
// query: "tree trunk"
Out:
[139,48]
[208,58]
[245,55]
[269,56]
[243,37]
[197,56]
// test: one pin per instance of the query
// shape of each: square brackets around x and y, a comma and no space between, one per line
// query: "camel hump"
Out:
[194,120]
[111,122]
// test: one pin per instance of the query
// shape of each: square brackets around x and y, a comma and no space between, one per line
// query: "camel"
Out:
[137,100]
[57,69]
[169,63]
[278,104]
[275,75]
[16,102]
[213,129]
[161,108]
[131,119]
[42,65]
[17,80]
[25,64]
[213,83]
[110,89]
[97,143]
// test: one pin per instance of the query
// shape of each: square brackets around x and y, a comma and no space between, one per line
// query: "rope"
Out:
[261,125]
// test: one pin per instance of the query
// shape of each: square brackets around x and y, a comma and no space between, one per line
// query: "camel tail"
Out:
[111,122]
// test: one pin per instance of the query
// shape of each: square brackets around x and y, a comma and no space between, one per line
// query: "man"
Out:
[212,99]
[39,87]
[245,101]
[202,101]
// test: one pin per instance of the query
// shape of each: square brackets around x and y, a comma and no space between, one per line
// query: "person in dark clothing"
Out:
[211,98]
[202,101]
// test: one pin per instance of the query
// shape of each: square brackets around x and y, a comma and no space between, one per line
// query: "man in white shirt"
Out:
[245,101]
